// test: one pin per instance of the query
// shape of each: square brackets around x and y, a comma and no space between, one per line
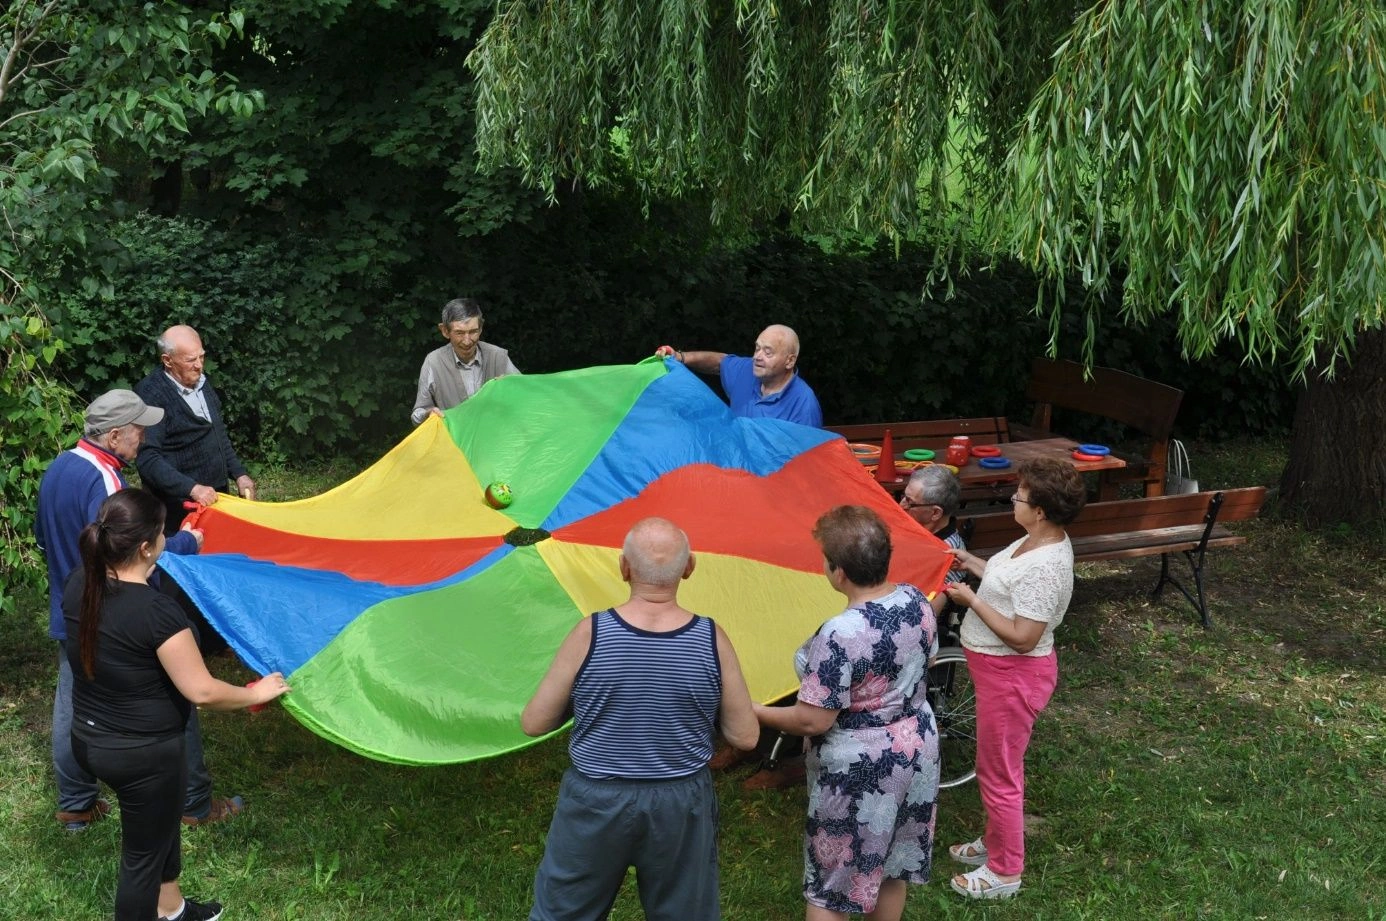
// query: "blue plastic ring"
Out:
[1098,450]
[994,463]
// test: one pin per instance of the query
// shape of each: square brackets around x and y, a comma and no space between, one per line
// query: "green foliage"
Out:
[331,207]
[598,283]
[1229,157]
[37,420]
[284,323]
[281,327]
[368,141]
[847,116]
[76,80]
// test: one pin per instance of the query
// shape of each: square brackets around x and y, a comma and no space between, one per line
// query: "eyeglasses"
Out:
[1015,498]
[907,503]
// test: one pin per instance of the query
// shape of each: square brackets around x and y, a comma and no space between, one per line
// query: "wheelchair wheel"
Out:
[954,703]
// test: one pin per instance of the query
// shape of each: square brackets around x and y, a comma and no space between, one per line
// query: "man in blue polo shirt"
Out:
[766,385]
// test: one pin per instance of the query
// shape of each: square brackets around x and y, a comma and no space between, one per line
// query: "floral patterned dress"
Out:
[873,777]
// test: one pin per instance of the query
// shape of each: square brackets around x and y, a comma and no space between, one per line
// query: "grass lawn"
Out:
[1236,773]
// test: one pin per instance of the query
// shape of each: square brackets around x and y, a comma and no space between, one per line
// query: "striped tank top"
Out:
[645,704]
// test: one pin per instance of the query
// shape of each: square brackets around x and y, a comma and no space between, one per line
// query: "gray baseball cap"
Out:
[115,408]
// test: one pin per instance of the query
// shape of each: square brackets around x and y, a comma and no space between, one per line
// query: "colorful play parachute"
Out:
[414,621]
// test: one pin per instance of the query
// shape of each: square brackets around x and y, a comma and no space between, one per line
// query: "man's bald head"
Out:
[785,336]
[656,552]
[178,337]
[777,352]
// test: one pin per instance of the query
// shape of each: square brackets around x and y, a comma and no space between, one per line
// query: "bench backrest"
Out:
[996,529]
[1144,405]
[933,434]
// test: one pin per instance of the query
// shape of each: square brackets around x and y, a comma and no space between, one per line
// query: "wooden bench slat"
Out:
[929,433]
[1124,546]
[1230,540]
[1155,540]
[998,527]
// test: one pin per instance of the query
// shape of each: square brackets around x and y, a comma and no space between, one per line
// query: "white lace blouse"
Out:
[1037,585]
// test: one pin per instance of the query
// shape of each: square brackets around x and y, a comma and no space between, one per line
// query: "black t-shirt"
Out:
[131,701]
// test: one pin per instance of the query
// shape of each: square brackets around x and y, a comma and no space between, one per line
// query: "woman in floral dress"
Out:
[872,763]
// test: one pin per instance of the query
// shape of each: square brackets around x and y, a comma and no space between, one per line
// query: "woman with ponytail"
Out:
[137,673]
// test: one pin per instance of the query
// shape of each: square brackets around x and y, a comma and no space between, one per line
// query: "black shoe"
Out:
[198,911]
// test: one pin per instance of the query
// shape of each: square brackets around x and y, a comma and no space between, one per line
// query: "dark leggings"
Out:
[148,781]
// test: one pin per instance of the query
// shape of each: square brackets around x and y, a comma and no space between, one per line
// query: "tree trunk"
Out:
[1336,470]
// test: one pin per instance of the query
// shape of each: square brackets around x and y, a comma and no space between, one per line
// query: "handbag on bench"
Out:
[1179,478]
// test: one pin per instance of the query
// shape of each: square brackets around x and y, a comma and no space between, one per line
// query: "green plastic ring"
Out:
[919,454]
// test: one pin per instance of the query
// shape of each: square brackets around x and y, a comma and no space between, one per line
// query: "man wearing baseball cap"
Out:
[71,492]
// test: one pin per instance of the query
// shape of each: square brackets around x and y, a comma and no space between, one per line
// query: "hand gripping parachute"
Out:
[414,621]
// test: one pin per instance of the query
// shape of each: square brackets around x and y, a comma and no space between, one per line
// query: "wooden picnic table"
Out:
[982,483]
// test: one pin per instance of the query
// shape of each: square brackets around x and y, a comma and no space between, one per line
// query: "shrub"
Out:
[290,345]
[39,420]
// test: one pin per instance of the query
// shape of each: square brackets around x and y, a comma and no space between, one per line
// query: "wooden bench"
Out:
[1147,406]
[1188,524]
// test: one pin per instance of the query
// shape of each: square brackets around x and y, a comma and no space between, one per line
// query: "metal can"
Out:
[958,450]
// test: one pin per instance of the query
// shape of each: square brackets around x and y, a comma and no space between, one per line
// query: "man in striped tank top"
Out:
[647,685]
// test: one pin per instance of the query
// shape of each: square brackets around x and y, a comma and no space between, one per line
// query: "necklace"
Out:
[1033,543]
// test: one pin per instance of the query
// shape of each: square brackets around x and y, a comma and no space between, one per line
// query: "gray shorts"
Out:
[666,829]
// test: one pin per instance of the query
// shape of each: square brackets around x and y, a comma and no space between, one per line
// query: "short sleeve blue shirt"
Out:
[795,403]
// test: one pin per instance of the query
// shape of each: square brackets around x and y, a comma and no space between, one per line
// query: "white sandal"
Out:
[981,883]
[973,853]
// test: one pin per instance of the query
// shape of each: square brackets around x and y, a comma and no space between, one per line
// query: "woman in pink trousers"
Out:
[1008,636]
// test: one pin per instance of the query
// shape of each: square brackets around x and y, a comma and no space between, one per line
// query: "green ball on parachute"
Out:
[498,495]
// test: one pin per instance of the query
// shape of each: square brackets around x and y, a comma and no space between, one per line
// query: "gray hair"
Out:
[656,551]
[461,308]
[939,486]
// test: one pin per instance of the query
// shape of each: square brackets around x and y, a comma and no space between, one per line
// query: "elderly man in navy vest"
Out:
[764,386]
[454,372]
[188,456]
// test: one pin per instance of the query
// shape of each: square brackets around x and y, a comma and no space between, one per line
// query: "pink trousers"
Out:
[1011,692]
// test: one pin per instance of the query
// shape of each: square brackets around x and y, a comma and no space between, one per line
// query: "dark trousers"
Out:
[77,789]
[148,781]
[666,829]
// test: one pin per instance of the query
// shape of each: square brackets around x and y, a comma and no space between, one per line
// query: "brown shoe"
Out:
[789,774]
[222,808]
[78,821]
